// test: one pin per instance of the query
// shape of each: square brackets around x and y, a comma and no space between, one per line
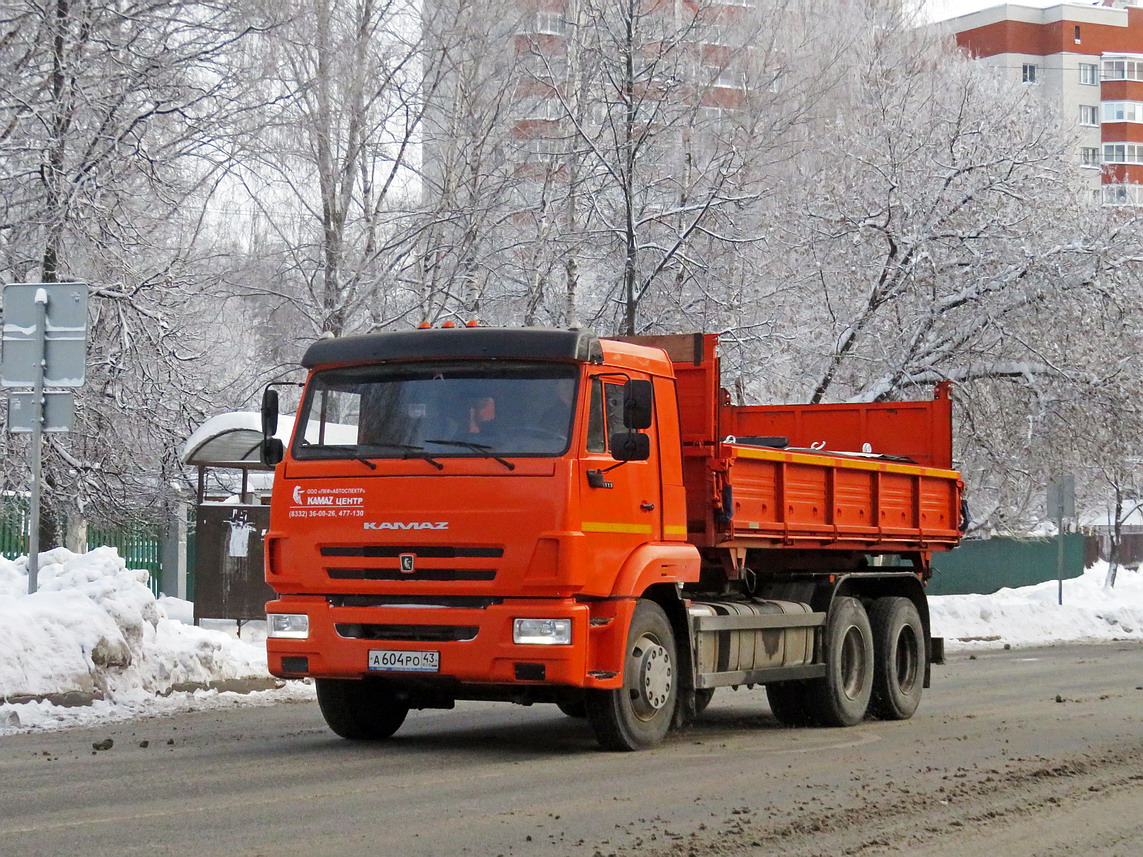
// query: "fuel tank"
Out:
[719,651]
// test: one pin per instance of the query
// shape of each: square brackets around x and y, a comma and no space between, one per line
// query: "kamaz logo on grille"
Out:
[406,525]
[407,563]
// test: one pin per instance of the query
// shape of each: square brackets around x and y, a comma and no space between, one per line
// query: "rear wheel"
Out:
[841,697]
[638,714]
[898,658]
[365,709]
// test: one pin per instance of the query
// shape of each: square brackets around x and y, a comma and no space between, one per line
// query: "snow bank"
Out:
[94,632]
[1032,615]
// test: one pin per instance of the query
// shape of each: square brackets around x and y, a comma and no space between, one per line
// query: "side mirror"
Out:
[272,451]
[630,446]
[269,412]
[637,398]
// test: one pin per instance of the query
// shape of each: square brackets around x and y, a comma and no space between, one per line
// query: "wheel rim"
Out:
[906,658]
[853,663]
[654,676]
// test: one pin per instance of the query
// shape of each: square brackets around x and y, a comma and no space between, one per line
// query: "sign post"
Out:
[44,344]
[1061,504]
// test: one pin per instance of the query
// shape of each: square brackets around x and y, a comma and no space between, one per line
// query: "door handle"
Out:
[647,507]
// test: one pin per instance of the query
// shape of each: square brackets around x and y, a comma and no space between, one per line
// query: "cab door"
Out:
[619,501]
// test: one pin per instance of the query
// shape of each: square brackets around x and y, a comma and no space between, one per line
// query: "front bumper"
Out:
[475,643]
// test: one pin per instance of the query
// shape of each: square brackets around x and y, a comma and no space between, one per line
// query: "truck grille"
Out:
[416,570]
[409,633]
[434,574]
[426,551]
[462,602]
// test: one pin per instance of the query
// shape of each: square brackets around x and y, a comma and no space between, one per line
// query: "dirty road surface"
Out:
[1021,753]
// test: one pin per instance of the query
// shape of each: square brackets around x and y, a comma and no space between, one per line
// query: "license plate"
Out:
[402,661]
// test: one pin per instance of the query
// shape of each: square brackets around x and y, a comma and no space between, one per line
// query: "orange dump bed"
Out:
[811,500]
[873,477]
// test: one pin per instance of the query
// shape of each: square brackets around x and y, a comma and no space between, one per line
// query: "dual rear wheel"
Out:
[875,667]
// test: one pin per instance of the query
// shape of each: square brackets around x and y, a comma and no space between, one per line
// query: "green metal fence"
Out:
[982,566]
[140,547]
[13,528]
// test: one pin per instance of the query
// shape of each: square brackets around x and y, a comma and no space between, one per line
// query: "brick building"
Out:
[1088,59]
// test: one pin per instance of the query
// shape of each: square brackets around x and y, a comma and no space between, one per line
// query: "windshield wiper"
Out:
[482,448]
[335,450]
[411,452]
[356,455]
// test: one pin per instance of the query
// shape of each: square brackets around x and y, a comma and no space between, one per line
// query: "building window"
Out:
[1089,115]
[724,77]
[551,23]
[1089,73]
[543,148]
[1089,156]
[1123,111]
[1123,69]
[711,114]
[1077,34]
[1123,153]
[1121,194]
[542,109]
[1029,72]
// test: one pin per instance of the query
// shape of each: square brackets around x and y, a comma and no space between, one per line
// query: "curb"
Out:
[78,699]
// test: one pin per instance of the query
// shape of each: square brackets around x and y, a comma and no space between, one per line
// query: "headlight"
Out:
[541,632]
[293,625]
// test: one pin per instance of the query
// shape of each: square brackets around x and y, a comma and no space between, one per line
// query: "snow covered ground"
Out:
[94,633]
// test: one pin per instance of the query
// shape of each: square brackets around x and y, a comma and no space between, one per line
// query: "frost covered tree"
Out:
[107,113]
[325,187]
[938,230]
[652,127]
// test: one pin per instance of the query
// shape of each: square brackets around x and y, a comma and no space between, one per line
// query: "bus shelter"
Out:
[232,514]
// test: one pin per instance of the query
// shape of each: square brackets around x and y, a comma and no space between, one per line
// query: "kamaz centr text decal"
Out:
[327,502]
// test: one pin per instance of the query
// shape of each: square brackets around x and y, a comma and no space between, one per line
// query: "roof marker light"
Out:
[473,323]
[448,324]
[424,325]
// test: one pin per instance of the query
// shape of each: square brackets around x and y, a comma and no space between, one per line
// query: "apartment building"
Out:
[1088,59]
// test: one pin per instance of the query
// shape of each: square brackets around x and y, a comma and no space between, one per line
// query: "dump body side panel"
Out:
[871,477]
[790,499]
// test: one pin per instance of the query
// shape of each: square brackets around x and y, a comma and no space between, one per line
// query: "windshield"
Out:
[438,410]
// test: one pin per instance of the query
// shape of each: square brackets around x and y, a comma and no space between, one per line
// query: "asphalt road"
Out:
[1022,753]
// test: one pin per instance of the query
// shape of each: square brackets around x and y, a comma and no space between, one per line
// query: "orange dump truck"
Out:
[546,516]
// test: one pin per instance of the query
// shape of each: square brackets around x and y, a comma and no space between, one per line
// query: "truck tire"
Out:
[576,709]
[703,696]
[841,697]
[790,703]
[638,715]
[366,709]
[898,658]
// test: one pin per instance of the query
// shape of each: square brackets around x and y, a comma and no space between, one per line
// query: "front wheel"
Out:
[841,697]
[575,708]
[365,709]
[638,714]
